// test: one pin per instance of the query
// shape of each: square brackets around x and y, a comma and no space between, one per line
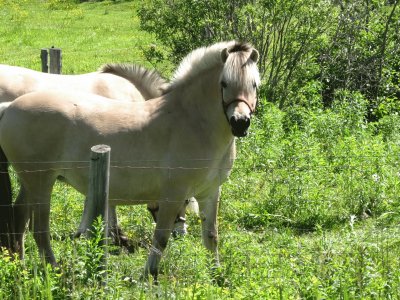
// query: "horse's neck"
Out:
[202,104]
[202,100]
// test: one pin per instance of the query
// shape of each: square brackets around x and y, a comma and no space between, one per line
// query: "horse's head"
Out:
[239,81]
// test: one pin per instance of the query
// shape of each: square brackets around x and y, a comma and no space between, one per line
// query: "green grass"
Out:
[311,210]
[89,34]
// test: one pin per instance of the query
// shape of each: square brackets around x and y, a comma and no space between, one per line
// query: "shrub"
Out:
[317,46]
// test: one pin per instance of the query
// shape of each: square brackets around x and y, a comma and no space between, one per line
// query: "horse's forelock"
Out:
[240,69]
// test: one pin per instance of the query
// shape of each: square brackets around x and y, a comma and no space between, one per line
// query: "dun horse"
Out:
[164,150]
[115,81]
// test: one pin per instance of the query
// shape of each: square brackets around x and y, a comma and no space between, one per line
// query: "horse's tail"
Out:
[3,107]
[6,208]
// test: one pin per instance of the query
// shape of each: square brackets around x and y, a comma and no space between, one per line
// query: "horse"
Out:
[114,81]
[128,82]
[164,150]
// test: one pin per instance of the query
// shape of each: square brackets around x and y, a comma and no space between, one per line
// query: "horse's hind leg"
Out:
[180,221]
[165,223]
[41,229]
[21,217]
[114,231]
[180,227]
[83,225]
[37,194]
[118,236]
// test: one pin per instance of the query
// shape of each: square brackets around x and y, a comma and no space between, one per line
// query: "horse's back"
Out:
[16,81]
[45,117]
[26,131]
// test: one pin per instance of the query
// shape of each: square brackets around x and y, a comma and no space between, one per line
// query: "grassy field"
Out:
[89,34]
[311,211]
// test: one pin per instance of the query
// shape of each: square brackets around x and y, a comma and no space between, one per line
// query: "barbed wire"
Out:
[125,163]
[119,165]
[264,229]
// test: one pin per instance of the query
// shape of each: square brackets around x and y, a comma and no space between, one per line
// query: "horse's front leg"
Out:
[166,216]
[208,206]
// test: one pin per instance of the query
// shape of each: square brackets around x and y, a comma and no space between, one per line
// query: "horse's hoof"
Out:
[218,277]
[126,243]
[180,230]
[146,278]
[76,235]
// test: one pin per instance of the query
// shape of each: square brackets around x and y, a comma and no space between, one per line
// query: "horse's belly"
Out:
[130,186]
[149,185]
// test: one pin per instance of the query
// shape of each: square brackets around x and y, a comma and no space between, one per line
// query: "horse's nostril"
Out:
[243,122]
[239,125]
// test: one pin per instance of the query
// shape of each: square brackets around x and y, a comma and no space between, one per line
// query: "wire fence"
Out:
[274,173]
[65,211]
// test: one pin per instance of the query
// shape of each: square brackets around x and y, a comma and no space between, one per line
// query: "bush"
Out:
[317,46]
[280,30]
[305,168]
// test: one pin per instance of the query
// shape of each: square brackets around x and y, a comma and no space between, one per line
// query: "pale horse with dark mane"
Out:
[163,150]
[128,82]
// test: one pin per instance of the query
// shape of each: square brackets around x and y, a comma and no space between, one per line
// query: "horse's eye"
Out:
[223,84]
[255,85]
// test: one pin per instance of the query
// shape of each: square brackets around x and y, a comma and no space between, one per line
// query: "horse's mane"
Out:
[198,61]
[202,59]
[149,82]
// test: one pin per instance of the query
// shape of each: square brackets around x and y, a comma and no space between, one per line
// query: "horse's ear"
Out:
[224,55]
[254,55]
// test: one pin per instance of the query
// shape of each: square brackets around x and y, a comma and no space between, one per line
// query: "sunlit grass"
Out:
[89,34]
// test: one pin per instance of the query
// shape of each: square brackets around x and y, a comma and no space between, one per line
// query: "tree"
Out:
[316,47]
[283,31]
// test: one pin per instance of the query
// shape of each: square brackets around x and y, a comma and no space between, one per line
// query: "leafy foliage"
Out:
[338,45]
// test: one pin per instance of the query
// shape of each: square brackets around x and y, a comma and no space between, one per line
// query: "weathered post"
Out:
[55,60]
[44,57]
[97,198]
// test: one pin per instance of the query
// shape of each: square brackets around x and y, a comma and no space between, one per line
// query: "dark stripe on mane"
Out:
[238,47]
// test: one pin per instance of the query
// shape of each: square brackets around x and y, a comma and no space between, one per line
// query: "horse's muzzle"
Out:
[239,125]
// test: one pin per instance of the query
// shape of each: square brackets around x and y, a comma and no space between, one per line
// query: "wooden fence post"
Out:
[44,57]
[97,197]
[55,60]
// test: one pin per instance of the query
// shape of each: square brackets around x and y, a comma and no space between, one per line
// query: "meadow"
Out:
[311,210]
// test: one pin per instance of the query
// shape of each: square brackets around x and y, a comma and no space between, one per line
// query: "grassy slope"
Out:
[89,34]
[357,260]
